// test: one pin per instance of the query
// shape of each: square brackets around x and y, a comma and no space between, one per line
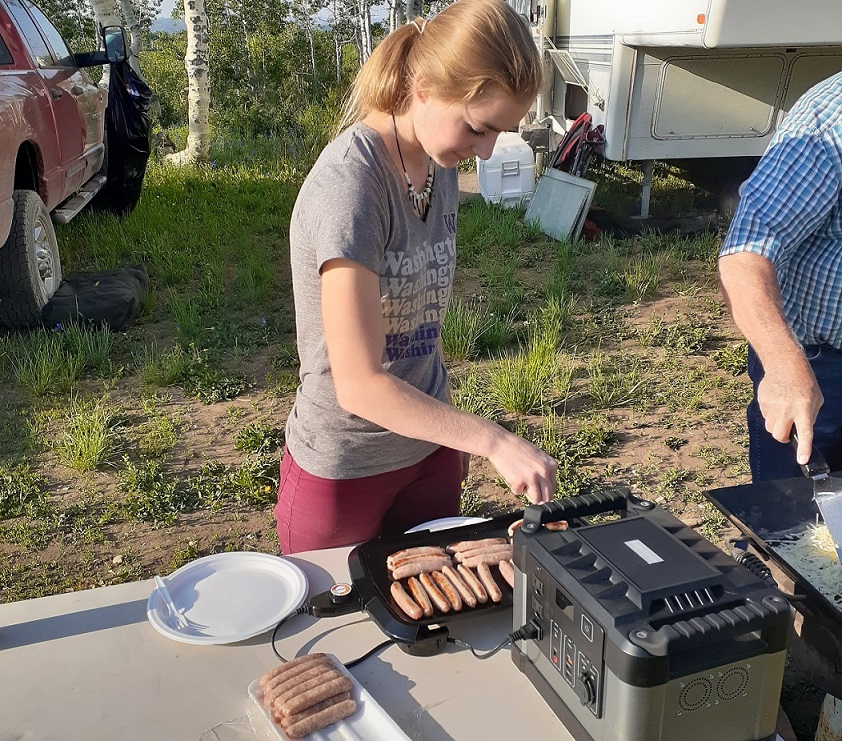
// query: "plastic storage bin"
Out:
[508,176]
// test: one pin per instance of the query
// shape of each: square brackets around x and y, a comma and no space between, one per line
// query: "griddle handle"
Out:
[580,506]
[817,465]
[713,627]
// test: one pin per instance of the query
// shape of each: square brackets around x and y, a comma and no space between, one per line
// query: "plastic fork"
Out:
[177,620]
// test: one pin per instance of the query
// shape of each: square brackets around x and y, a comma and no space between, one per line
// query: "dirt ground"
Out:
[645,448]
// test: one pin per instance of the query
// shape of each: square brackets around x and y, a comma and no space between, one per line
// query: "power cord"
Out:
[304,610]
[530,630]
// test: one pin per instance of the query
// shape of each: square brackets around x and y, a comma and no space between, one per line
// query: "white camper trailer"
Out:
[683,79]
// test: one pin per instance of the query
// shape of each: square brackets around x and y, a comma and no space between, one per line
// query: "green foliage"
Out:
[733,359]
[150,494]
[258,437]
[20,489]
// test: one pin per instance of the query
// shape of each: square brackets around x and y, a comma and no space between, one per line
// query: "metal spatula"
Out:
[827,491]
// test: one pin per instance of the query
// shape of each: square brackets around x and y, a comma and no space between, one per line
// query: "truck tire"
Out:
[30,267]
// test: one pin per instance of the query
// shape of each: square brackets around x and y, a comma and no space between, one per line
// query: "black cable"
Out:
[530,630]
[300,611]
[487,654]
[368,653]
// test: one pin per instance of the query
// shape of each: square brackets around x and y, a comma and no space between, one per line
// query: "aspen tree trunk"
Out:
[133,25]
[197,63]
[364,20]
[106,14]
[414,8]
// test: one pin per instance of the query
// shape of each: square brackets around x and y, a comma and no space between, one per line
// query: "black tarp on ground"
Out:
[112,298]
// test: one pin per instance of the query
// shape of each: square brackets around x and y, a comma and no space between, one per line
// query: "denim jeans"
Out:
[770,459]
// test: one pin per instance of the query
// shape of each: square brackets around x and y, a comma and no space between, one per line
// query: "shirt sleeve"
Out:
[345,213]
[787,197]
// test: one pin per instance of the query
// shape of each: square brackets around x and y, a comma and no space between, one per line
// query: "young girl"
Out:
[374,446]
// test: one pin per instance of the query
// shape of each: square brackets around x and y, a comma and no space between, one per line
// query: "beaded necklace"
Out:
[420,201]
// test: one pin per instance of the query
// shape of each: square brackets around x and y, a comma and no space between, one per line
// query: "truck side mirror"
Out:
[114,40]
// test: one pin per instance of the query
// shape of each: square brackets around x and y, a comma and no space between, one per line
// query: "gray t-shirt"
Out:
[354,205]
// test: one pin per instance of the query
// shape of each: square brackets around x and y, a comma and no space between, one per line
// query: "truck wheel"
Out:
[30,268]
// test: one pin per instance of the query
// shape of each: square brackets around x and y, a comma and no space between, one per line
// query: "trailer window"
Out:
[34,40]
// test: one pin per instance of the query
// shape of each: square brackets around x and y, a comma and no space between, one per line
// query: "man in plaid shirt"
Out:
[781,274]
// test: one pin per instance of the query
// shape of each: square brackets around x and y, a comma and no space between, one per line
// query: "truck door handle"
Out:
[77,90]
[55,92]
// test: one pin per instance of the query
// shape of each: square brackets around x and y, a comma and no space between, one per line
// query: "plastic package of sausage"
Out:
[369,722]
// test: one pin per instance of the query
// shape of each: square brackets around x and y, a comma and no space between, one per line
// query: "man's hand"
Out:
[790,396]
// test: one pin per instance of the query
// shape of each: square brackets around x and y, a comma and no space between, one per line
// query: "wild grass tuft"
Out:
[524,382]
[463,326]
[93,434]
[613,383]
[162,368]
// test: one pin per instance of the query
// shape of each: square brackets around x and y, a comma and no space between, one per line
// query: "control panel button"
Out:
[587,628]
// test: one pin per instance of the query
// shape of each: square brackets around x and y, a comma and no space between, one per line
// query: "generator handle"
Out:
[716,626]
[579,506]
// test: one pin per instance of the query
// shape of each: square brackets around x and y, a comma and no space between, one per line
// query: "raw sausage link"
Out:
[405,602]
[294,689]
[492,558]
[320,720]
[499,550]
[489,583]
[291,666]
[508,572]
[310,697]
[414,568]
[468,596]
[475,584]
[276,687]
[419,594]
[439,600]
[423,550]
[466,545]
[449,591]
[288,720]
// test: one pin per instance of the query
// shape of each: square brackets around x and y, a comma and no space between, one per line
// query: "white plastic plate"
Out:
[445,523]
[228,597]
[369,722]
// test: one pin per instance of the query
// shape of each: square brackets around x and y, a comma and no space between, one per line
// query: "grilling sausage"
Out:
[439,600]
[423,550]
[492,555]
[417,566]
[405,602]
[489,583]
[449,591]
[468,596]
[475,584]
[419,594]
[508,572]
[467,545]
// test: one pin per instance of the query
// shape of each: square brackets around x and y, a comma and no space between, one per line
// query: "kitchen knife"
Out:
[827,492]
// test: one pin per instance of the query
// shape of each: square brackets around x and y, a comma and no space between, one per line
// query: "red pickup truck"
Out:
[52,151]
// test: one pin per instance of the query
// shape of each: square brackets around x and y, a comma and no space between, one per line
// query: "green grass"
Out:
[176,426]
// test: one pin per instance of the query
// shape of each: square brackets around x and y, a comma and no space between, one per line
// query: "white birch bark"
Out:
[136,32]
[396,14]
[364,21]
[414,8]
[106,14]
[197,63]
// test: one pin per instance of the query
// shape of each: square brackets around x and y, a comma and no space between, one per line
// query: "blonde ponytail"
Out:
[471,47]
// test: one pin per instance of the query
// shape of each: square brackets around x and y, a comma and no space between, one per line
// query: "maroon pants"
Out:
[314,513]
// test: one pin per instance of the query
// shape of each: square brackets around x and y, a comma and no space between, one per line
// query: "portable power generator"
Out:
[646,631]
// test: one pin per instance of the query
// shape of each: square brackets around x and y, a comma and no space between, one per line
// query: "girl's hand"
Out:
[526,469]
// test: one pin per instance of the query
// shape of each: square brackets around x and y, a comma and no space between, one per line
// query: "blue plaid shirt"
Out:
[791,213]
